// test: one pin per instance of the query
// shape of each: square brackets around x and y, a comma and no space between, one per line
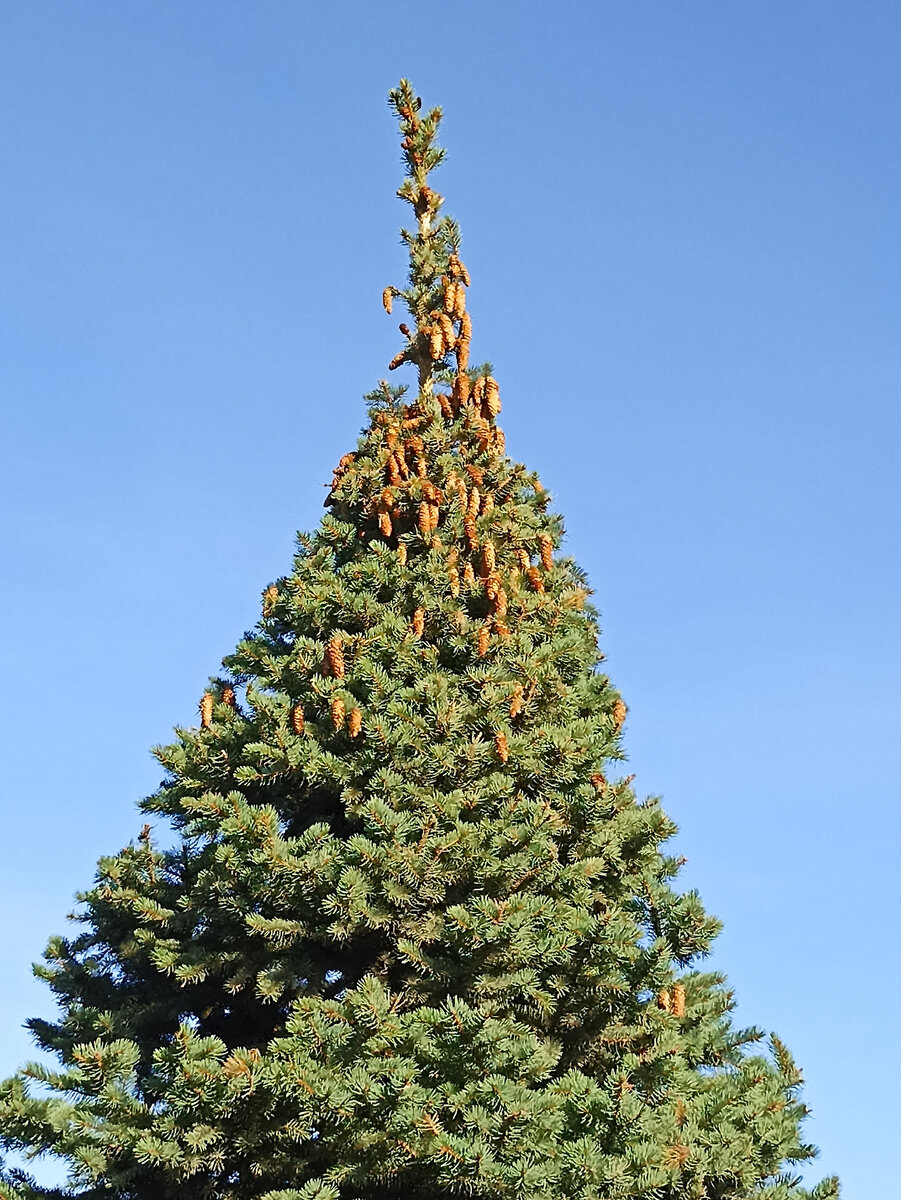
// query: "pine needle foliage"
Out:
[414,940]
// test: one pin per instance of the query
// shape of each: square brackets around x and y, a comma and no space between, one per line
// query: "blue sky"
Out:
[681,222]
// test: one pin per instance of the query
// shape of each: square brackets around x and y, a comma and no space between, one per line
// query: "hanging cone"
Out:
[663,1000]
[385,526]
[297,721]
[500,745]
[487,505]
[469,532]
[424,519]
[418,622]
[269,598]
[469,575]
[516,702]
[228,695]
[461,386]
[402,554]
[450,290]
[488,558]
[523,560]
[535,579]
[678,1006]
[619,714]
[484,640]
[337,712]
[459,302]
[473,503]
[547,551]
[354,722]
[599,782]
[387,299]
[448,333]
[334,657]
[206,710]
[454,576]
[492,402]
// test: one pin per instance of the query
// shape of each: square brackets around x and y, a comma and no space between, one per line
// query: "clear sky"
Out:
[682,224]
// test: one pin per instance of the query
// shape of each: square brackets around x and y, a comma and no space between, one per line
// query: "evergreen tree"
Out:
[413,940]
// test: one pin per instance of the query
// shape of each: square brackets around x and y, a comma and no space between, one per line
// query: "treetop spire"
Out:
[435,296]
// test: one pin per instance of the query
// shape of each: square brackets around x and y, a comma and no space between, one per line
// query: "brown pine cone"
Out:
[354,722]
[535,579]
[678,1007]
[206,710]
[402,554]
[448,333]
[459,302]
[619,714]
[523,559]
[488,558]
[337,712]
[454,576]
[500,745]
[424,519]
[461,383]
[228,695]
[450,291]
[470,533]
[547,551]
[334,657]
[492,402]
[484,639]
[388,299]
[473,503]
[297,721]
[269,598]
[418,622]
[469,575]
[516,702]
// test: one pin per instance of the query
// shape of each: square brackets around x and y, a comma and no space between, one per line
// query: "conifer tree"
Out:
[415,939]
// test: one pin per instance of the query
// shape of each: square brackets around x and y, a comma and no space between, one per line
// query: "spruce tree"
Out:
[415,938]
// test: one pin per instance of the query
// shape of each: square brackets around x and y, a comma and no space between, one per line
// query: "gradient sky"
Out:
[682,224]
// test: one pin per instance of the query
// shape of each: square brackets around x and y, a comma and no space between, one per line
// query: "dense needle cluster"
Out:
[412,941]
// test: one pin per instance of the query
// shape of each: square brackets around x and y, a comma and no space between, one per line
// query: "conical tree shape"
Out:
[413,941]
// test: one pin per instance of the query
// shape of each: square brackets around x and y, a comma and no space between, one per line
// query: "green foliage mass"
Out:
[411,942]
